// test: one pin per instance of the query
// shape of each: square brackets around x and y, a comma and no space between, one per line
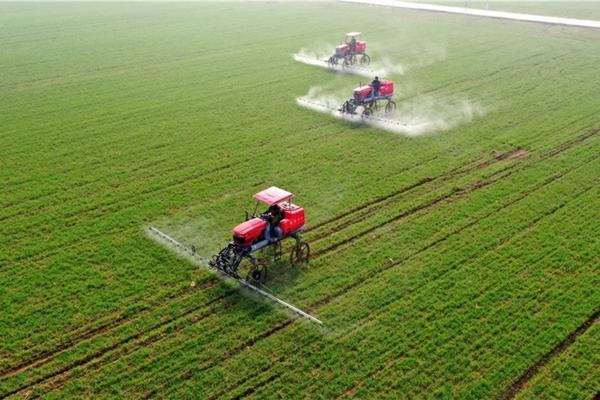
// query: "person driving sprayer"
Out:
[273,215]
[376,85]
[353,45]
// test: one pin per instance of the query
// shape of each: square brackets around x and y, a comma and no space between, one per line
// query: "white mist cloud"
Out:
[415,117]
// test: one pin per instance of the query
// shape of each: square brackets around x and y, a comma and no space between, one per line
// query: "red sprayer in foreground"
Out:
[281,220]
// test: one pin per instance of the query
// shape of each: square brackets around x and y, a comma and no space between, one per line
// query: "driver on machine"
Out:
[353,45]
[376,85]
[274,215]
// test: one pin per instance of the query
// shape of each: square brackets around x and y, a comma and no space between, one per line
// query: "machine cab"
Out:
[293,216]
[291,220]
[360,46]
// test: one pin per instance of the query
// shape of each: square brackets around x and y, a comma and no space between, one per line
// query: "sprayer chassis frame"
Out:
[369,104]
[349,59]
[229,259]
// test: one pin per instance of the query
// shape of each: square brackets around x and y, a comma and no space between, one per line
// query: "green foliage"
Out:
[444,266]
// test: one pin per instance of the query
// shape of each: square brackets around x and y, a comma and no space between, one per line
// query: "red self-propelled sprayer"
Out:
[281,220]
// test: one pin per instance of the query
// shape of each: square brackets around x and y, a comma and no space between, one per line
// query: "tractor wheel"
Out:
[332,60]
[365,60]
[258,274]
[390,107]
[300,253]
[348,108]
[367,112]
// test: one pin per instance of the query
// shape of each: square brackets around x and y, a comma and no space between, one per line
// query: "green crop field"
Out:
[463,263]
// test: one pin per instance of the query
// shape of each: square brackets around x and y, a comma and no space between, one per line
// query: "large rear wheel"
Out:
[300,253]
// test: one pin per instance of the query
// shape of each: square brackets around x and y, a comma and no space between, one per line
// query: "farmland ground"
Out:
[459,264]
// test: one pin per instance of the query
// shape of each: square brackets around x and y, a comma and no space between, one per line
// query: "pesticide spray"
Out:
[384,67]
[418,116]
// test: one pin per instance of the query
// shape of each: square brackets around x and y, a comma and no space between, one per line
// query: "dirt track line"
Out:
[373,274]
[514,389]
[47,355]
[460,170]
[465,189]
[100,353]
[504,241]
[258,386]
[382,198]
[228,354]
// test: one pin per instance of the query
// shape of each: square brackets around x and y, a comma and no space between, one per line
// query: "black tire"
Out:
[365,60]
[367,112]
[258,274]
[348,108]
[300,254]
[332,60]
[390,107]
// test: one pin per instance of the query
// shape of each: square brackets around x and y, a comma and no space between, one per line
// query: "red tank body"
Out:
[362,92]
[387,88]
[342,50]
[293,218]
[361,46]
[246,233]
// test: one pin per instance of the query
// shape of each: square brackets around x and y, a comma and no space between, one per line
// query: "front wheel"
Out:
[258,274]
[332,60]
[390,107]
[367,112]
[300,253]
[348,108]
[365,60]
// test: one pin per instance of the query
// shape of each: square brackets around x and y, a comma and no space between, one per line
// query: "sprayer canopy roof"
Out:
[352,33]
[273,195]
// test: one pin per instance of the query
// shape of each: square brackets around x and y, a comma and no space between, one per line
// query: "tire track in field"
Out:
[459,191]
[220,394]
[381,309]
[532,371]
[391,196]
[385,197]
[228,354]
[389,356]
[101,353]
[45,356]
[373,274]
